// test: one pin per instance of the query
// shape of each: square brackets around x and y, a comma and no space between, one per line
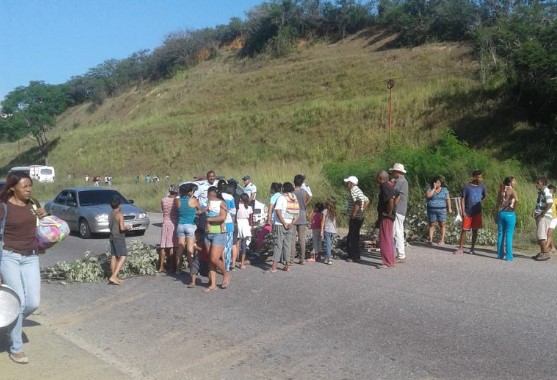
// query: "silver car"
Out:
[86,210]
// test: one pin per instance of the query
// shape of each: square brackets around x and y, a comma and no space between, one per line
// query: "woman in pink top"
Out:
[169,221]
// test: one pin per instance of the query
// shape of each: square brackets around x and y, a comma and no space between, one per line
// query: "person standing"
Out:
[250,189]
[401,207]
[386,216]
[306,187]
[201,195]
[286,211]
[506,218]
[168,230]
[19,263]
[438,204]
[299,227]
[329,227]
[357,203]
[542,214]
[118,249]
[188,209]
[472,196]
[230,250]
[215,238]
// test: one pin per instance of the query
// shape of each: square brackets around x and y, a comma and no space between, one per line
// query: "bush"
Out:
[454,161]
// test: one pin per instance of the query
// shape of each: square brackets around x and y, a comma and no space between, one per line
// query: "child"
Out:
[553,223]
[118,248]
[244,217]
[329,227]
[200,262]
[316,217]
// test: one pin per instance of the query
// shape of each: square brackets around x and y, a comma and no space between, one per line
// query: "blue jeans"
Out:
[328,237]
[23,275]
[505,226]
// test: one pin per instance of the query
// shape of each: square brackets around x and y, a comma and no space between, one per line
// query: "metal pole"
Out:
[390,85]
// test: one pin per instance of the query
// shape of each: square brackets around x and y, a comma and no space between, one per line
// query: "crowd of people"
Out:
[208,224]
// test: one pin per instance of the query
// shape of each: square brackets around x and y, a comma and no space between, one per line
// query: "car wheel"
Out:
[84,230]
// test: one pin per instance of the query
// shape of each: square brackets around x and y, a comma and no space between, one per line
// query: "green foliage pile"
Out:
[141,261]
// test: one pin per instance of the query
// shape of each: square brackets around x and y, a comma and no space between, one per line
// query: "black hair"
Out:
[115,203]
[276,187]
[11,181]
[287,187]
[319,206]
[187,188]
[437,178]
[216,190]
[507,181]
[222,185]
[244,198]
[543,180]
[298,180]
[476,173]
[551,187]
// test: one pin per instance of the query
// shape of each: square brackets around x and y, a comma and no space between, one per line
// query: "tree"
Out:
[31,110]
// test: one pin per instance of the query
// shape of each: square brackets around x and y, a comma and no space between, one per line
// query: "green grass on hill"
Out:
[269,118]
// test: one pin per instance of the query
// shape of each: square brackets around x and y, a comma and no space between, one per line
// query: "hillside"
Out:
[325,102]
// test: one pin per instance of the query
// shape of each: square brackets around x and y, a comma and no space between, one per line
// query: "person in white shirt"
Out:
[249,188]
[201,194]
[287,211]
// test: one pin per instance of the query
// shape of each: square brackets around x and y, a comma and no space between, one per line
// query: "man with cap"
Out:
[357,203]
[249,188]
[401,207]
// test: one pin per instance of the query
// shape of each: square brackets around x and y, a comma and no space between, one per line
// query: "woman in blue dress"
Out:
[438,204]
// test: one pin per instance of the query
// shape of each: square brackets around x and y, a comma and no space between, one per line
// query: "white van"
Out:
[39,172]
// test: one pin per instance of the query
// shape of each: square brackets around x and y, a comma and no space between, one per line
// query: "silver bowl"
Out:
[10,305]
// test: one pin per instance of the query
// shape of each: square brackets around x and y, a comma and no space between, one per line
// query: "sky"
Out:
[53,40]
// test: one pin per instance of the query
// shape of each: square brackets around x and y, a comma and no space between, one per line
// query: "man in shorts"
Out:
[542,214]
[473,194]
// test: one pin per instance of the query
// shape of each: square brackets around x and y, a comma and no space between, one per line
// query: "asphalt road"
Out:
[439,316]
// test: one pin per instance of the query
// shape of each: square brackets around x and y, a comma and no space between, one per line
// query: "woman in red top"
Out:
[19,263]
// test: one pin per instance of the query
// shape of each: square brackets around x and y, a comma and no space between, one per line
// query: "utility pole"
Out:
[390,85]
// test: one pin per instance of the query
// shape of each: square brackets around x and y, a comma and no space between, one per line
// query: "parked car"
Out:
[86,210]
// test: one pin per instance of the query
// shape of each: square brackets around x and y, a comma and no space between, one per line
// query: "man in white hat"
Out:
[401,207]
[357,203]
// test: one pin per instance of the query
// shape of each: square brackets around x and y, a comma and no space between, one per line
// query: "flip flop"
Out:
[270,271]
[207,290]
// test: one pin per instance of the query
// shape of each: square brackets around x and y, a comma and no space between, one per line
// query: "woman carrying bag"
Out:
[19,263]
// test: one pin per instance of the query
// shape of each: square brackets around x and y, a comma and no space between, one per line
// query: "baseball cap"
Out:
[351,179]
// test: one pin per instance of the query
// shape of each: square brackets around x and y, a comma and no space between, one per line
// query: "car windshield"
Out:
[99,197]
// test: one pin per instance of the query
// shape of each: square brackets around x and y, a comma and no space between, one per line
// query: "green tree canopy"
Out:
[31,110]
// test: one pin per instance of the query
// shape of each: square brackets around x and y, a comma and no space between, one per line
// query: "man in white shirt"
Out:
[249,188]
[306,187]
[201,195]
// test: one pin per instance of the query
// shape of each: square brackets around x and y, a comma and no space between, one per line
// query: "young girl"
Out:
[316,217]
[329,227]
[245,223]
[200,265]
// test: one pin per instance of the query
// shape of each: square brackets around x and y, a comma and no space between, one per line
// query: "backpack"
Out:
[292,206]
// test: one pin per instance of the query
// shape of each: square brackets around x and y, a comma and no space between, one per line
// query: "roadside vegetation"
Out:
[300,86]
